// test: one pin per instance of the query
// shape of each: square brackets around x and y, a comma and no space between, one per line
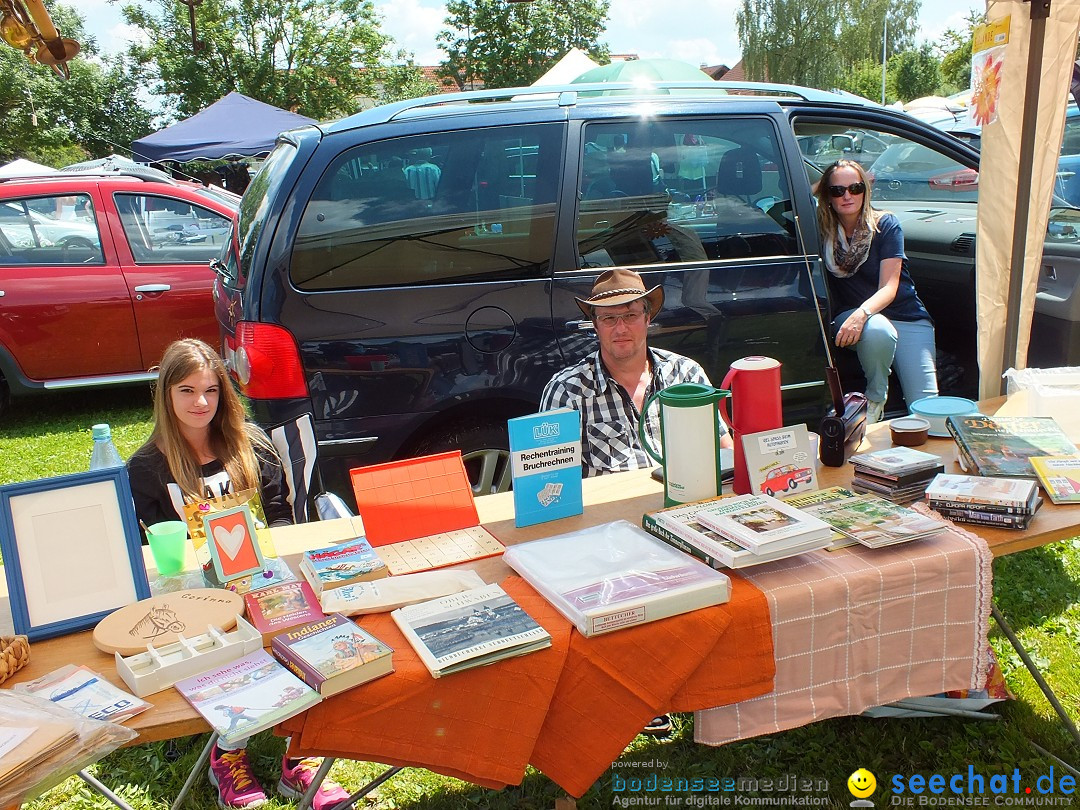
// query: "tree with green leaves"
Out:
[818,43]
[319,58]
[504,44]
[55,122]
[916,73]
[955,53]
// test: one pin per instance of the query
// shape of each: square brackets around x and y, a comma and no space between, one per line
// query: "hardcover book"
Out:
[1003,446]
[616,575]
[983,518]
[875,522]
[344,564]
[1015,493]
[895,461]
[277,608]
[469,629]
[760,523]
[545,462]
[333,654]
[1059,476]
[247,696]
[679,527]
[779,461]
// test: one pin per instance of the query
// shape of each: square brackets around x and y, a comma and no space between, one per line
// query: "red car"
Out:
[100,272]
[784,478]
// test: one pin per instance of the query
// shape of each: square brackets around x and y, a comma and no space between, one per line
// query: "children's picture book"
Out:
[1059,476]
[420,513]
[1018,494]
[277,608]
[616,575]
[333,654]
[679,527]
[343,564]
[469,629]
[779,461]
[545,463]
[761,523]
[248,695]
[1003,446]
[895,461]
[875,522]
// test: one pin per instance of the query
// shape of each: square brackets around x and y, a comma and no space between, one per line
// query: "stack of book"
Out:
[898,474]
[875,522]
[765,526]
[680,527]
[1007,503]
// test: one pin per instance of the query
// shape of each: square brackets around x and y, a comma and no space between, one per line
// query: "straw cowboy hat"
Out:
[619,286]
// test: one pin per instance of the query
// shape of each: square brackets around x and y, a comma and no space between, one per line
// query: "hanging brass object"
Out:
[26,25]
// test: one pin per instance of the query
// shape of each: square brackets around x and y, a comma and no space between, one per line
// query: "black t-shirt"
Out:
[158,497]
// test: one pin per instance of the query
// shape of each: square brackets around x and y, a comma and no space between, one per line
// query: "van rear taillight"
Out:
[266,361]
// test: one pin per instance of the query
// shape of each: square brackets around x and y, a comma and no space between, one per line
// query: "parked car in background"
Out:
[100,272]
[411,317]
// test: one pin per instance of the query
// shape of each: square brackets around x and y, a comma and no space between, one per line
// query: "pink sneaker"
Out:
[296,779]
[231,774]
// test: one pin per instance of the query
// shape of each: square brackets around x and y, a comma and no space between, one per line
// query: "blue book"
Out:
[545,459]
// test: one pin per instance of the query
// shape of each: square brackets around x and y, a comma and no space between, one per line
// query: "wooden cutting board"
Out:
[159,619]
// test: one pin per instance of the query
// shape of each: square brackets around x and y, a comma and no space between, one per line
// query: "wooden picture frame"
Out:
[72,551]
[234,546]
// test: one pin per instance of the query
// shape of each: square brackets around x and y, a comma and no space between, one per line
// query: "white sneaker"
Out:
[874,411]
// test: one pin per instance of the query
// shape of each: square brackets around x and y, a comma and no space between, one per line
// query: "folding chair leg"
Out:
[104,791]
[195,771]
[1034,670]
[366,789]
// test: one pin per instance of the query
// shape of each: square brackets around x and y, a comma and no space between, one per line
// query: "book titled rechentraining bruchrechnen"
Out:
[545,461]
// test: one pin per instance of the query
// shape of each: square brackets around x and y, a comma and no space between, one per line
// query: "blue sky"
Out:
[691,30]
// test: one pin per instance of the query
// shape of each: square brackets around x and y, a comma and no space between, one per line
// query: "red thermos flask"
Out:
[754,383]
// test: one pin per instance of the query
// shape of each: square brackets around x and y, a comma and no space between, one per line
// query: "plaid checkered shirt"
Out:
[609,419]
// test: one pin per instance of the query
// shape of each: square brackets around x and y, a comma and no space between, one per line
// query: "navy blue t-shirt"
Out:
[851,292]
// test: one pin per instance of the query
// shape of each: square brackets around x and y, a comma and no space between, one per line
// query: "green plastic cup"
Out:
[168,543]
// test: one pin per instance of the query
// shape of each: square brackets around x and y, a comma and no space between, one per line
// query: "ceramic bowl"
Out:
[909,431]
[936,410]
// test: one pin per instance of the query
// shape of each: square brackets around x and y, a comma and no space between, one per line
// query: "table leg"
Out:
[104,791]
[195,771]
[354,797]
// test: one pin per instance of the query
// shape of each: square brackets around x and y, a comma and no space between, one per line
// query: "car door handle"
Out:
[580,326]
[153,288]
[1,293]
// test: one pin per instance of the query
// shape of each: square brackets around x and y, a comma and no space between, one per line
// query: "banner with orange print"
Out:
[987,61]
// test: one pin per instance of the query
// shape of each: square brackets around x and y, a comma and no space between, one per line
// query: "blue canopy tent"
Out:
[232,126]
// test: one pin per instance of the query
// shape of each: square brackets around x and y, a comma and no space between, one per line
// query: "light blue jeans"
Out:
[907,345]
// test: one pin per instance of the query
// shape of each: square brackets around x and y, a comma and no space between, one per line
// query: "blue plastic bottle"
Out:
[104,453]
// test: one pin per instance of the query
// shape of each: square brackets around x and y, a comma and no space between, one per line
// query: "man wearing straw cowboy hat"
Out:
[609,387]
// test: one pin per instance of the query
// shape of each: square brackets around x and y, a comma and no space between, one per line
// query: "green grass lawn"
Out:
[1038,590]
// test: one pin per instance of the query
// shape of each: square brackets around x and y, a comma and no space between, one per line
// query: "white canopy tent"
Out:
[21,167]
[572,65]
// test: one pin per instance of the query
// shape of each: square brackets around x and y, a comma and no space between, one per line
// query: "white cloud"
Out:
[414,24]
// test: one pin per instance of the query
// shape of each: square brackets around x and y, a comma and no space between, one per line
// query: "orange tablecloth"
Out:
[569,710]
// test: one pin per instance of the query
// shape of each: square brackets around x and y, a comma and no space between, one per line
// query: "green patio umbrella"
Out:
[643,71]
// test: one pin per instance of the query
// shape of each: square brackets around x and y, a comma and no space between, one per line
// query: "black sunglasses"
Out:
[855,188]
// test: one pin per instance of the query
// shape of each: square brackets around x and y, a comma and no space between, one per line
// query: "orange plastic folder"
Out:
[426,505]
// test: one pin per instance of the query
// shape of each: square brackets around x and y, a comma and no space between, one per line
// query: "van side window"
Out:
[477,205]
[900,168]
[164,230]
[683,191]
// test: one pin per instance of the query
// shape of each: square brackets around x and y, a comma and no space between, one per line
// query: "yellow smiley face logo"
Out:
[861,783]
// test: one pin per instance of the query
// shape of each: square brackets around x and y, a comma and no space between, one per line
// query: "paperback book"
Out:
[1003,446]
[983,518]
[469,629]
[1015,494]
[247,696]
[810,502]
[343,564]
[678,526]
[333,654]
[545,462]
[761,523]
[616,575]
[875,522]
[779,461]
[275,609]
[1059,476]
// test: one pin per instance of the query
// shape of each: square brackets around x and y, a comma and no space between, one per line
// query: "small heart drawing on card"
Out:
[230,541]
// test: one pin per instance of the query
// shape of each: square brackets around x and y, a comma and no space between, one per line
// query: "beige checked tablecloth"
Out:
[860,627]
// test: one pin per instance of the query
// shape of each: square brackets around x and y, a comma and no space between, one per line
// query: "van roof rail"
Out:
[567,95]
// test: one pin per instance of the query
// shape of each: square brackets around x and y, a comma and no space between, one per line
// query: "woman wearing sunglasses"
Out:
[881,316]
